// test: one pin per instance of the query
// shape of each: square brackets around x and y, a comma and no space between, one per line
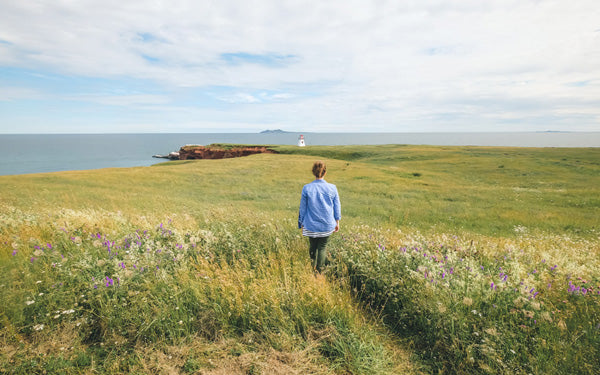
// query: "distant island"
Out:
[275,131]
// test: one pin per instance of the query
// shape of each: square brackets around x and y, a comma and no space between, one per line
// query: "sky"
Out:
[114,66]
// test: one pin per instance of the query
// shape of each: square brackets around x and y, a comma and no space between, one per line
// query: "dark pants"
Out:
[318,252]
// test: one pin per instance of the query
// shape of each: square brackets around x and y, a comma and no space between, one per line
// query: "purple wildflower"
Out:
[14,252]
[49,246]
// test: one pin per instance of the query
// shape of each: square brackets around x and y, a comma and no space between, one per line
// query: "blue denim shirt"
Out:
[319,207]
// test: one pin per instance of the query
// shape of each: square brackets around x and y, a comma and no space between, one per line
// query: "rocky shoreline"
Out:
[214,152]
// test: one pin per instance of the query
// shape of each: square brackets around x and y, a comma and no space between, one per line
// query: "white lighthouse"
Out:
[301,141]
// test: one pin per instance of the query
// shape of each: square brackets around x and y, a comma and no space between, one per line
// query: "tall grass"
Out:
[480,305]
[85,298]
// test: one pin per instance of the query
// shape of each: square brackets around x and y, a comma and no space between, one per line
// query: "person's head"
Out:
[319,169]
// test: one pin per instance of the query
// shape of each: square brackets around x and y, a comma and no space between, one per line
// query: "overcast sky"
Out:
[113,66]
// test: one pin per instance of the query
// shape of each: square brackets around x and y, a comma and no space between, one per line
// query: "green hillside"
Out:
[449,260]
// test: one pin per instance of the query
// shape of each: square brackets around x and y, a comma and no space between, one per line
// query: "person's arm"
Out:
[302,209]
[337,210]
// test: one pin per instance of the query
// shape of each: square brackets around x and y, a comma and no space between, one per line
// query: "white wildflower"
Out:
[38,327]
[29,302]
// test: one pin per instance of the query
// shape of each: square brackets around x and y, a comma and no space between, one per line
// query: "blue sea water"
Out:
[37,153]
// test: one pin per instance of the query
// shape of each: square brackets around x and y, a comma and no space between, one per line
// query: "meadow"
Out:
[450,260]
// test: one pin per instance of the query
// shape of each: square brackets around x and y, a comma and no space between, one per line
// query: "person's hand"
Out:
[337,226]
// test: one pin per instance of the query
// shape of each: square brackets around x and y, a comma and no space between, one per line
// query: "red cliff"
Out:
[202,152]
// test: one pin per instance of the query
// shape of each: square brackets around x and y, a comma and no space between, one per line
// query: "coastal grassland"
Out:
[482,260]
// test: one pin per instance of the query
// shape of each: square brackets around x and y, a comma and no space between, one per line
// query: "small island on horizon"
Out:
[274,131]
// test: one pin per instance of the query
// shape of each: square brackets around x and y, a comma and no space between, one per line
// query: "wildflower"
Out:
[109,282]
[549,285]
[38,327]
[14,252]
[532,289]
[29,302]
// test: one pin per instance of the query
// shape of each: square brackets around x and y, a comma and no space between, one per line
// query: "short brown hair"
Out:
[319,168]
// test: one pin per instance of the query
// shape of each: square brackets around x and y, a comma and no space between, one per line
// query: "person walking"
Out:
[319,214]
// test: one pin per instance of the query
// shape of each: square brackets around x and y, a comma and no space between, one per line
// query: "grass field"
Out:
[449,260]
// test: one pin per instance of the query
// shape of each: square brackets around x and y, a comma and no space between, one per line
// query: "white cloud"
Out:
[378,64]
[122,100]
[239,98]
[17,93]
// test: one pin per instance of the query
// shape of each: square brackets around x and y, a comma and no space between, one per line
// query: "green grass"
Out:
[226,286]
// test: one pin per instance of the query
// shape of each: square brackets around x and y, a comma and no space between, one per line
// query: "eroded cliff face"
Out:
[202,152]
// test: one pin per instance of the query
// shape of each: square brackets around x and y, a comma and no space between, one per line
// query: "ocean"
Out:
[38,153]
